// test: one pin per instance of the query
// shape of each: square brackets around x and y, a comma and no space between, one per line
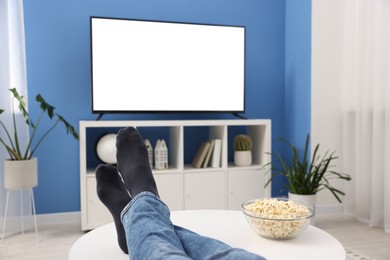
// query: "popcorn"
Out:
[277,219]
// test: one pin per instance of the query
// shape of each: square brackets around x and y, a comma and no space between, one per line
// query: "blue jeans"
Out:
[150,234]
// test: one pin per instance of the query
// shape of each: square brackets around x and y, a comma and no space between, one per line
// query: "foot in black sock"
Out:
[133,162]
[112,192]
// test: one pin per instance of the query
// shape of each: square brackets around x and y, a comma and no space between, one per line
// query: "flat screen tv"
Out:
[154,66]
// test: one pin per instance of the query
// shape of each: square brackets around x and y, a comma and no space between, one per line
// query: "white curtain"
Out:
[366,109]
[12,75]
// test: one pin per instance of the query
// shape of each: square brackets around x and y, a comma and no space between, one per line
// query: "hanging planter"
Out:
[20,174]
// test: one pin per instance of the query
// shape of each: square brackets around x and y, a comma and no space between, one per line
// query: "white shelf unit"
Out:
[180,186]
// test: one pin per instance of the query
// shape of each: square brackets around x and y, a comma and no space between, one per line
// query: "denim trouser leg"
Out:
[150,234]
[204,248]
[149,231]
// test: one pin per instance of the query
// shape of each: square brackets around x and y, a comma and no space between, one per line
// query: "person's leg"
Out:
[133,162]
[114,195]
[112,192]
[203,248]
[149,230]
[146,219]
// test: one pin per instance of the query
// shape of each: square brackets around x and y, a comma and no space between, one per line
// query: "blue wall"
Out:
[296,98]
[58,67]
[297,70]
[298,74]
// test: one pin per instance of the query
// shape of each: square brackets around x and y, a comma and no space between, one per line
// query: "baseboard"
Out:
[58,218]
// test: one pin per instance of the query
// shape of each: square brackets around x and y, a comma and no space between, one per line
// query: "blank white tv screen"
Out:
[148,66]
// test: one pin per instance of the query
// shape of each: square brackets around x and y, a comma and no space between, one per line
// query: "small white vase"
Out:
[242,158]
[21,174]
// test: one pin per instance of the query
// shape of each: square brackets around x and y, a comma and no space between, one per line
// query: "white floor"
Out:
[56,240]
[360,241]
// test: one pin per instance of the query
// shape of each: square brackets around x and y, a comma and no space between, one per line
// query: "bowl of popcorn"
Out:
[278,219]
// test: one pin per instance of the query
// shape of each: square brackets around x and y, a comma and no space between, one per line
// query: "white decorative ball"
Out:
[106,148]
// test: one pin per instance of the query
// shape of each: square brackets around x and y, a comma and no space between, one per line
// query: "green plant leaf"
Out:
[45,106]
[308,176]
[69,128]
[22,105]
[12,143]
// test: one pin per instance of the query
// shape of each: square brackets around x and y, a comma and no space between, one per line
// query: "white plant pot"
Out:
[310,199]
[20,174]
[242,158]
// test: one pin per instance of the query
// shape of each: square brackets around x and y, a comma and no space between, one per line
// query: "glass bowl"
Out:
[278,219]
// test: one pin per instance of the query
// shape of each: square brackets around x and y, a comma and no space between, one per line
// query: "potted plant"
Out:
[242,150]
[20,170]
[308,177]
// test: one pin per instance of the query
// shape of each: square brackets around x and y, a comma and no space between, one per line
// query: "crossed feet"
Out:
[116,186]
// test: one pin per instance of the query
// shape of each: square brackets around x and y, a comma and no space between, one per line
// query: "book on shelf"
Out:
[201,155]
[216,155]
[208,155]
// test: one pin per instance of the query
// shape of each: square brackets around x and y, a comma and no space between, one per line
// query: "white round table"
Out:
[230,227]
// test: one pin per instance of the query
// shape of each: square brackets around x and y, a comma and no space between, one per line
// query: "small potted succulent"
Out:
[242,150]
[20,170]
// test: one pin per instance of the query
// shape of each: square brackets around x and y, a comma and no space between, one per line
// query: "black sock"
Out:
[133,162]
[114,195]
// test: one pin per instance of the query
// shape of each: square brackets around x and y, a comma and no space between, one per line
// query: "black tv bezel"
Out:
[101,112]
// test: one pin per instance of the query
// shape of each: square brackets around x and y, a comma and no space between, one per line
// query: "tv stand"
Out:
[181,186]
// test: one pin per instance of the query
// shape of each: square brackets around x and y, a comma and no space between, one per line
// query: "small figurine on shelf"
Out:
[150,152]
[161,155]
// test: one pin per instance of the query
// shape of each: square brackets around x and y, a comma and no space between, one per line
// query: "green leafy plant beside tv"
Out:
[308,176]
[10,139]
